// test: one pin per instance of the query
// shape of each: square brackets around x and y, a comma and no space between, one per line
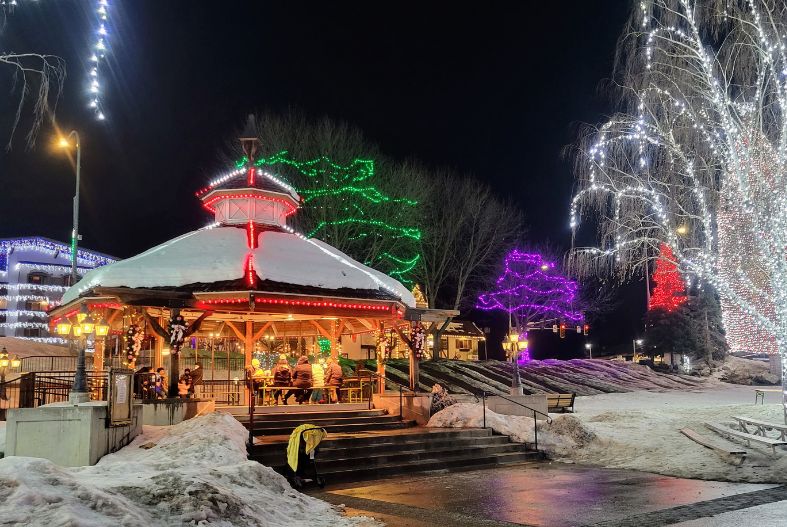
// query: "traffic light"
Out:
[562,330]
[586,329]
[554,328]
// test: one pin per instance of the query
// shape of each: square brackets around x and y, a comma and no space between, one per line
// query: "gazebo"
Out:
[248,274]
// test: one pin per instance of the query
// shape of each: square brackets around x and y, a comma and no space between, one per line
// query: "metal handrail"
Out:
[549,419]
[383,379]
[535,421]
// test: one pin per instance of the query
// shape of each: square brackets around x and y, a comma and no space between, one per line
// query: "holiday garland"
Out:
[418,339]
[383,348]
[134,338]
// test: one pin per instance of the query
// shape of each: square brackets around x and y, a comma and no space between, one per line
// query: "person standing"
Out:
[161,383]
[196,379]
[282,375]
[302,379]
[184,384]
[318,379]
[334,377]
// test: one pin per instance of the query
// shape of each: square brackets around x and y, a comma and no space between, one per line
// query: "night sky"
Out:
[496,90]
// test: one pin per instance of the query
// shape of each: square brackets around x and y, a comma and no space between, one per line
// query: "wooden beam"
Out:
[113,316]
[367,324]
[240,334]
[262,330]
[324,332]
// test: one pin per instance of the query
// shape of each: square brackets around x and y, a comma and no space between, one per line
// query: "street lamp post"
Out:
[589,347]
[85,326]
[514,344]
[64,143]
[634,344]
[5,362]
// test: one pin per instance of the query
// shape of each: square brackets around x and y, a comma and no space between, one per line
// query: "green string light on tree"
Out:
[348,200]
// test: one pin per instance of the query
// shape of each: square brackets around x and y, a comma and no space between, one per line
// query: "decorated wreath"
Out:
[383,348]
[177,332]
[134,338]
[419,340]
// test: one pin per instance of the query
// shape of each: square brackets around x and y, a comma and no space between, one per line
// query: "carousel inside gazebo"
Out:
[247,287]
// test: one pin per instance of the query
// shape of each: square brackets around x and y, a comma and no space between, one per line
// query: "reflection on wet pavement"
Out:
[539,494]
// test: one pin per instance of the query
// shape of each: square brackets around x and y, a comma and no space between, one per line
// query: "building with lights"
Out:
[34,274]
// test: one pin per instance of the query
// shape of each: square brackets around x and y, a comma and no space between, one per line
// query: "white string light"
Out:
[97,57]
[698,160]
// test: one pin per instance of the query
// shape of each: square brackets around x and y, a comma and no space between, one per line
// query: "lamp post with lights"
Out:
[634,344]
[86,325]
[514,345]
[5,363]
[65,143]
[589,347]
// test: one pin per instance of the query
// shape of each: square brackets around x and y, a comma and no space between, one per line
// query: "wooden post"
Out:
[336,340]
[248,349]
[98,354]
[380,366]
[158,348]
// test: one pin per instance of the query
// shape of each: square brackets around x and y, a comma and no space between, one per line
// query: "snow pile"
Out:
[641,431]
[196,474]
[215,255]
[470,415]
[745,371]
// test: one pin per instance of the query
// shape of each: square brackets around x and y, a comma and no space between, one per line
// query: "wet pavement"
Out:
[552,495]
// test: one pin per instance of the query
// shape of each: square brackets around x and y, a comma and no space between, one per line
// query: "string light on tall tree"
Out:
[696,158]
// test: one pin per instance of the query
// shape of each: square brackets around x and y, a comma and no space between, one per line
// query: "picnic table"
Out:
[730,433]
[760,427]
[759,393]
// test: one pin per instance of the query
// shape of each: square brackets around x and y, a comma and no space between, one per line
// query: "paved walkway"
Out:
[560,495]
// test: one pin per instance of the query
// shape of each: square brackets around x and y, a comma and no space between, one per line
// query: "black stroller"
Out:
[307,465]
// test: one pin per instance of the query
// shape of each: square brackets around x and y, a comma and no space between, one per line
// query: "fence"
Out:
[35,389]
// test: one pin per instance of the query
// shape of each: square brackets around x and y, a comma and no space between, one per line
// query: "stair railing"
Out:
[383,379]
[484,395]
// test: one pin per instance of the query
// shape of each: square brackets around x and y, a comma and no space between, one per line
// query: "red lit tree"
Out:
[670,291]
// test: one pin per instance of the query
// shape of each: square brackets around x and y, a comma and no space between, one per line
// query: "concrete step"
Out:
[342,460]
[323,414]
[275,429]
[362,472]
[329,449]
[293,423]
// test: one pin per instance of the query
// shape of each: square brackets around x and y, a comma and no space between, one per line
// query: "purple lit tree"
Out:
[534,293]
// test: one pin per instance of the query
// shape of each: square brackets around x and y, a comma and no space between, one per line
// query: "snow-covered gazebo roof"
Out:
[204,258]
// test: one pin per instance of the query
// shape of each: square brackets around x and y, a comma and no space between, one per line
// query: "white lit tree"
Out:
[696,156]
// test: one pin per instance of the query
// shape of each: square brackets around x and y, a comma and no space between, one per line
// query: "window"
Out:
[33,332]
[36,278]
[463,344]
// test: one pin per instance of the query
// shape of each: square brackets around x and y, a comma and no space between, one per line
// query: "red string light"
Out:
[670,291]
[302,303]
[207,204]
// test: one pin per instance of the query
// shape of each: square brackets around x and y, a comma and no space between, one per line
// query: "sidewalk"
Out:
[559,495]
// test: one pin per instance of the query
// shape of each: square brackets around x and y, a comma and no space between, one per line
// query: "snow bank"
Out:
[215,255]
[470,415]
[196,474]
[736,370]
[641,431]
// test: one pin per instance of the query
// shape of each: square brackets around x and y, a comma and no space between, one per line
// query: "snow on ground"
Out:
[641,431]
[196,474]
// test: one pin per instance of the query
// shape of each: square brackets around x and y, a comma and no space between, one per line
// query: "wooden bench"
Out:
[729,433]
[264,389]
[760,427]
[736,457]
[759,393]
[560,402]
